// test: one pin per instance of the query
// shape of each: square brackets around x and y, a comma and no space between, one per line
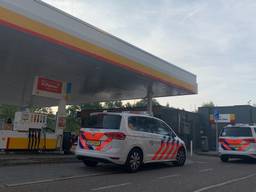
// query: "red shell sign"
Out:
[50,88]
[49,85]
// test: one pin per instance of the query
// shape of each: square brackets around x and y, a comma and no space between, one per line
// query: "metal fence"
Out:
[2,124]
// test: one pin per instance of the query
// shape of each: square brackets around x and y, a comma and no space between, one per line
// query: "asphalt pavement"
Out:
[201,173]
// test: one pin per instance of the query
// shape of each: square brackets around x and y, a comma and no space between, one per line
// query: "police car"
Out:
[237,141]
[128,139]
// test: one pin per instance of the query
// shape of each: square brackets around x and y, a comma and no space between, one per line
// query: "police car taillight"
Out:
[115,135]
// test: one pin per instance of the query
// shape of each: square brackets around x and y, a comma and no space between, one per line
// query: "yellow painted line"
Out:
[54,34]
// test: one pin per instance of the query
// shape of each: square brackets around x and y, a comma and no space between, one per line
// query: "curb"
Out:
[30,161]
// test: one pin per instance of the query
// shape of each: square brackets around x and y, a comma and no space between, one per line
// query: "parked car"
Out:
[237,141]
[128,139]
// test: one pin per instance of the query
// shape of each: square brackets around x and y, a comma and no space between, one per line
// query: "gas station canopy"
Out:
[37,39]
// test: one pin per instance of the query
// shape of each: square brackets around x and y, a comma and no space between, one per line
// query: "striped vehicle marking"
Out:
[82,143]
[93,137]
[237,143]
[176,150]
[168,145]
[171,149]
[167,150]
[158,151]
[244,147]
[225,146]
[105,143]
[233,141]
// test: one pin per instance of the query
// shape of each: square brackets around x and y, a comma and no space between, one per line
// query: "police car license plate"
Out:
[94,143]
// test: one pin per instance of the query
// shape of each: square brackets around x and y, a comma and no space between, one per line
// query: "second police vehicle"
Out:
[237,141]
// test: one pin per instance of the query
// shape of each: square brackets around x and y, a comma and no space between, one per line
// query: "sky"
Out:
[214,39]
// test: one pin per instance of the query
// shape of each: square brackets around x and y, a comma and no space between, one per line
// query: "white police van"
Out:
[237,141]
[128,139]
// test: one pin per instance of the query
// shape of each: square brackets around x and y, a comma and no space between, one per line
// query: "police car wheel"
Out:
[180,158]
[224,158]
[134,161]
[90,163]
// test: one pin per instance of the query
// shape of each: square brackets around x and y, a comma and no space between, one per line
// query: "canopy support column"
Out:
[149,99]
[61,122]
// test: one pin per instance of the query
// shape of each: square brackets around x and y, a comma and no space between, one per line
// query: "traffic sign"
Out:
[216,114]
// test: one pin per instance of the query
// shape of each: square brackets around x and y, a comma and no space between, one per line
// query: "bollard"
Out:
[191,148]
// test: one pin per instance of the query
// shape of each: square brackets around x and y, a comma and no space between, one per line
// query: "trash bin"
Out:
[204,144]
[67,142]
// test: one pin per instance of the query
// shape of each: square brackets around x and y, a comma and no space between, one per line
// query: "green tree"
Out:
[94,105]
[208,104]
[8,111]
[128,105]
[45,110]
[144,102]
[72,122]
[113,104]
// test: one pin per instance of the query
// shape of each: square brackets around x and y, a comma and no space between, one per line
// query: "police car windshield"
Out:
[236,132]
[103,121]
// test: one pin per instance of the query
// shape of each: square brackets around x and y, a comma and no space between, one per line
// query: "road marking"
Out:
[110,186]
[205,170]
[168,176]
[225,183]
[52,180]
